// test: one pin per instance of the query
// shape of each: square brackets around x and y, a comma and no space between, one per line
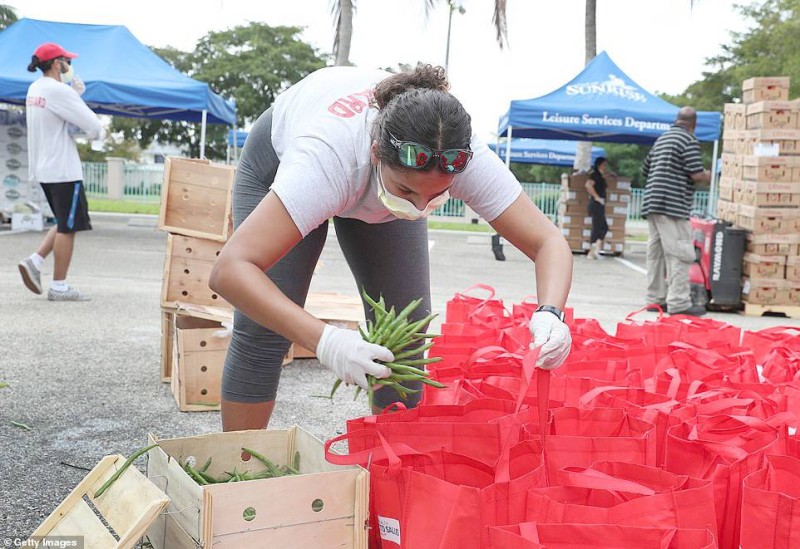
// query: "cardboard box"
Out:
[187,268]
[731,165]
[773,244]
[765,291]
[752,194]
[325,506]
[786,139]
[619,185]
[735,116]
[573,221]
[793,268]
[762,220]
[769,168]
[578,244]
[196,199]
[772,115]
[573,208]
[580,196]
[765,89]
[769,266]
[618,196]
[727,210]
[726,187]
[27,221]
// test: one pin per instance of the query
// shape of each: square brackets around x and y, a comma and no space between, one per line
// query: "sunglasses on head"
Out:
[417,156]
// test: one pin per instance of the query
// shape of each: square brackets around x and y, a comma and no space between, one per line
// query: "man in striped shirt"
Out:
[671,169]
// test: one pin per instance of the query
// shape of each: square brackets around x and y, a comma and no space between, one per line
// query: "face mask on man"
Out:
[405,209]
[66,77]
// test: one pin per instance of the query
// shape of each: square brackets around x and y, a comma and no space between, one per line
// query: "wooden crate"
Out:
[167,343]
[187,267]
[196,199]
[127,508]
[339,310]
[201,344]
[325,506]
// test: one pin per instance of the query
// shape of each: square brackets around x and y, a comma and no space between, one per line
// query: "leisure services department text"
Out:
[604,121]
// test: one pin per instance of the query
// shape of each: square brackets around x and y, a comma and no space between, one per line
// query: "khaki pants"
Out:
[670,252]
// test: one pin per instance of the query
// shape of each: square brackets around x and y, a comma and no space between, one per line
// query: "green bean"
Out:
[205,466]
[416,351]
[265,460]
[122,469]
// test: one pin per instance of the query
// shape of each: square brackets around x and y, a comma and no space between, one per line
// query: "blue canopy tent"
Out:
[123,76]
[601,104]
[543,151]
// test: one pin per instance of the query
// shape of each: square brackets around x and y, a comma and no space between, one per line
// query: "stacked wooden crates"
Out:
[759,190]
[196,213]
[576,223]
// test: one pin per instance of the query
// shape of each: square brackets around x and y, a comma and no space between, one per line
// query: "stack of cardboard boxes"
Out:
[759,190]
[576,223]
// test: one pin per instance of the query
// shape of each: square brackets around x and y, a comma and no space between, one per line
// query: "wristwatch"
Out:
[550,309]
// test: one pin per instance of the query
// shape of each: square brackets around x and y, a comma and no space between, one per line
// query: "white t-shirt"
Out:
[51,107]
[321,134]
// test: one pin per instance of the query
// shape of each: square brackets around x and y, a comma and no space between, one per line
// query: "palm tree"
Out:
[583,153]
[342,11]
[7,16]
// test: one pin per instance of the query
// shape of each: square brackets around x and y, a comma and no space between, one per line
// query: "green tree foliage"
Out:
[7,16]
[251,63]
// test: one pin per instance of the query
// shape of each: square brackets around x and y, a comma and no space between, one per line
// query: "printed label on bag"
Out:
[390,529]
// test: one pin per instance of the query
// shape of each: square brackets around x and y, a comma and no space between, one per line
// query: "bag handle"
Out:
[478,287]
[636,312]
[503,465]
[400,407]
[390,452]
[597,480]
[480,355]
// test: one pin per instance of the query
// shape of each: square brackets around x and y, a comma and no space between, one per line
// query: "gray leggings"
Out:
[389,259]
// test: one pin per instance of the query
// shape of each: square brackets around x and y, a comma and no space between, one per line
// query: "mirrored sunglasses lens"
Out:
[454,160]
[414,155]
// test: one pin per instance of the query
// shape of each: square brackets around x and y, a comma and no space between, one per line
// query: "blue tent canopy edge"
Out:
[600,104]
[123,76]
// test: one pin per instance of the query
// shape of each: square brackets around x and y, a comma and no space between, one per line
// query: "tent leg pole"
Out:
[712,189]
[508,147]
[203,135]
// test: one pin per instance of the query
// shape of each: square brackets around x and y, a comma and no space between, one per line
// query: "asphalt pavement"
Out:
[84,377]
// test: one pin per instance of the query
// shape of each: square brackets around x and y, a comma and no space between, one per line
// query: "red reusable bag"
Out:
[529,535]
[488,311]
[725,449]
[443,500]
[625,494]
[763,341]
[470,429]
[578,438]
[771,505]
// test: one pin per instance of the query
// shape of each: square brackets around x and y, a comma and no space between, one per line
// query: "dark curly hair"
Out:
[418,107]
[36,63]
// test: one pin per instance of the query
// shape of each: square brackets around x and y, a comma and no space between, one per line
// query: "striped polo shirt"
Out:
[667,169]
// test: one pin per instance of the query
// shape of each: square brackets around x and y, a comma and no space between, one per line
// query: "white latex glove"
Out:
[552,336]
[350,357]
[78,85]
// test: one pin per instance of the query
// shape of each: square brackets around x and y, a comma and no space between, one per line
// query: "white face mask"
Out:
[405,209]
[66,77]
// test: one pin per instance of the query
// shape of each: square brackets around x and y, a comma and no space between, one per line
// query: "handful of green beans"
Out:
[394,331]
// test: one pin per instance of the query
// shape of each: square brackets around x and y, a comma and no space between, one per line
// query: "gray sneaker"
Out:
[71,294]
[31,276]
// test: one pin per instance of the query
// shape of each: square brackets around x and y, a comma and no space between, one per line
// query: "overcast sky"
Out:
[660,44]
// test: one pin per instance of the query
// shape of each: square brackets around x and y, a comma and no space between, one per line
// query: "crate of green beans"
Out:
[262,488]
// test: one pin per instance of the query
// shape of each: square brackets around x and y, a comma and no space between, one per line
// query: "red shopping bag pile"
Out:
[676,432]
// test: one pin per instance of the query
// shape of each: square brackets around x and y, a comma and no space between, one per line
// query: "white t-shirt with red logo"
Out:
[51,107]
[321,134]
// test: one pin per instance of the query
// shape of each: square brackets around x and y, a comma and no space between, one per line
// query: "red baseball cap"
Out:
[51,50]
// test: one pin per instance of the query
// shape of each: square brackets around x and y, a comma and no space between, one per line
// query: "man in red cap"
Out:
[53,107]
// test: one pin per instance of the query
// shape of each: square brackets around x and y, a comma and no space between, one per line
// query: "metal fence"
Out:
[143,182]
